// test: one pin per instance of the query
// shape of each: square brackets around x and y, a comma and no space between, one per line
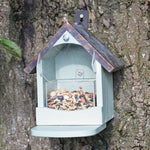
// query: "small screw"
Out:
[80,73]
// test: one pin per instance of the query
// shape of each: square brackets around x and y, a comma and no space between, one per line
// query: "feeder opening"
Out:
[69,79]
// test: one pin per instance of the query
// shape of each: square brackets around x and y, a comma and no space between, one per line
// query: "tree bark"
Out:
[122,26]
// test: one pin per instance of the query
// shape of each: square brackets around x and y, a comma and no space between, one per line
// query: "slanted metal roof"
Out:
[92,45]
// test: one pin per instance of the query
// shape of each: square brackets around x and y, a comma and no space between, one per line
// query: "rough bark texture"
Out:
[122,25]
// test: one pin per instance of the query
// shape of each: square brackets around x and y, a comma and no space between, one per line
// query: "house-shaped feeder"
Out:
[75,84]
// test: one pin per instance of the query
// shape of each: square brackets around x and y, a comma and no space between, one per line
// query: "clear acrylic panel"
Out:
[71,95]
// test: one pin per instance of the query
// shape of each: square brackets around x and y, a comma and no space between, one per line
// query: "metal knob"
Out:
[80,73]
[66,37]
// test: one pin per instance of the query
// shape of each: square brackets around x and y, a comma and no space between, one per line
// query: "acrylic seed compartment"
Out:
[70,95]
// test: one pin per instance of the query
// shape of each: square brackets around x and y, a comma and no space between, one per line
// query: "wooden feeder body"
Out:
[69,52]
[61,65]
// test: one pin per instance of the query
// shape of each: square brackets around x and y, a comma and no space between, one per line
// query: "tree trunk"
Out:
[122,26]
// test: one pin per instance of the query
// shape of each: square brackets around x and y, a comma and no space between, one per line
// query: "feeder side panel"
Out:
[107,89]
[40,86]
[99,84]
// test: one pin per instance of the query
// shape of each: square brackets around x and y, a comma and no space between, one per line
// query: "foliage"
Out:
[11,48]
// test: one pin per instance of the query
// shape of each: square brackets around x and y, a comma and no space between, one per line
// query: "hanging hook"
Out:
[82,16]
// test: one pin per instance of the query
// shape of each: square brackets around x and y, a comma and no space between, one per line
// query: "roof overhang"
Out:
[110,62]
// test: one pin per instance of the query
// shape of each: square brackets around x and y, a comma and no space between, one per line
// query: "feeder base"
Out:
[66,131]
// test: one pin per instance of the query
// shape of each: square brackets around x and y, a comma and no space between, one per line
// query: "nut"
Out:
[53,93]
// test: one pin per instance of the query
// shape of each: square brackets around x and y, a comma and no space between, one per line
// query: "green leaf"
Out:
[11,48]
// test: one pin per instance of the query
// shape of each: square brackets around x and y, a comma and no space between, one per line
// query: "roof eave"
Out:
[90,48]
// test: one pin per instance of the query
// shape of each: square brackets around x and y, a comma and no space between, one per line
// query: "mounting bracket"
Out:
[82,16]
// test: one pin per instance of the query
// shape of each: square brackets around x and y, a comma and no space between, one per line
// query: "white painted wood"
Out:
[99,84]
[46,116]
[71,39]
[66,131]
[40,87]
[71,59]
[107,90]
